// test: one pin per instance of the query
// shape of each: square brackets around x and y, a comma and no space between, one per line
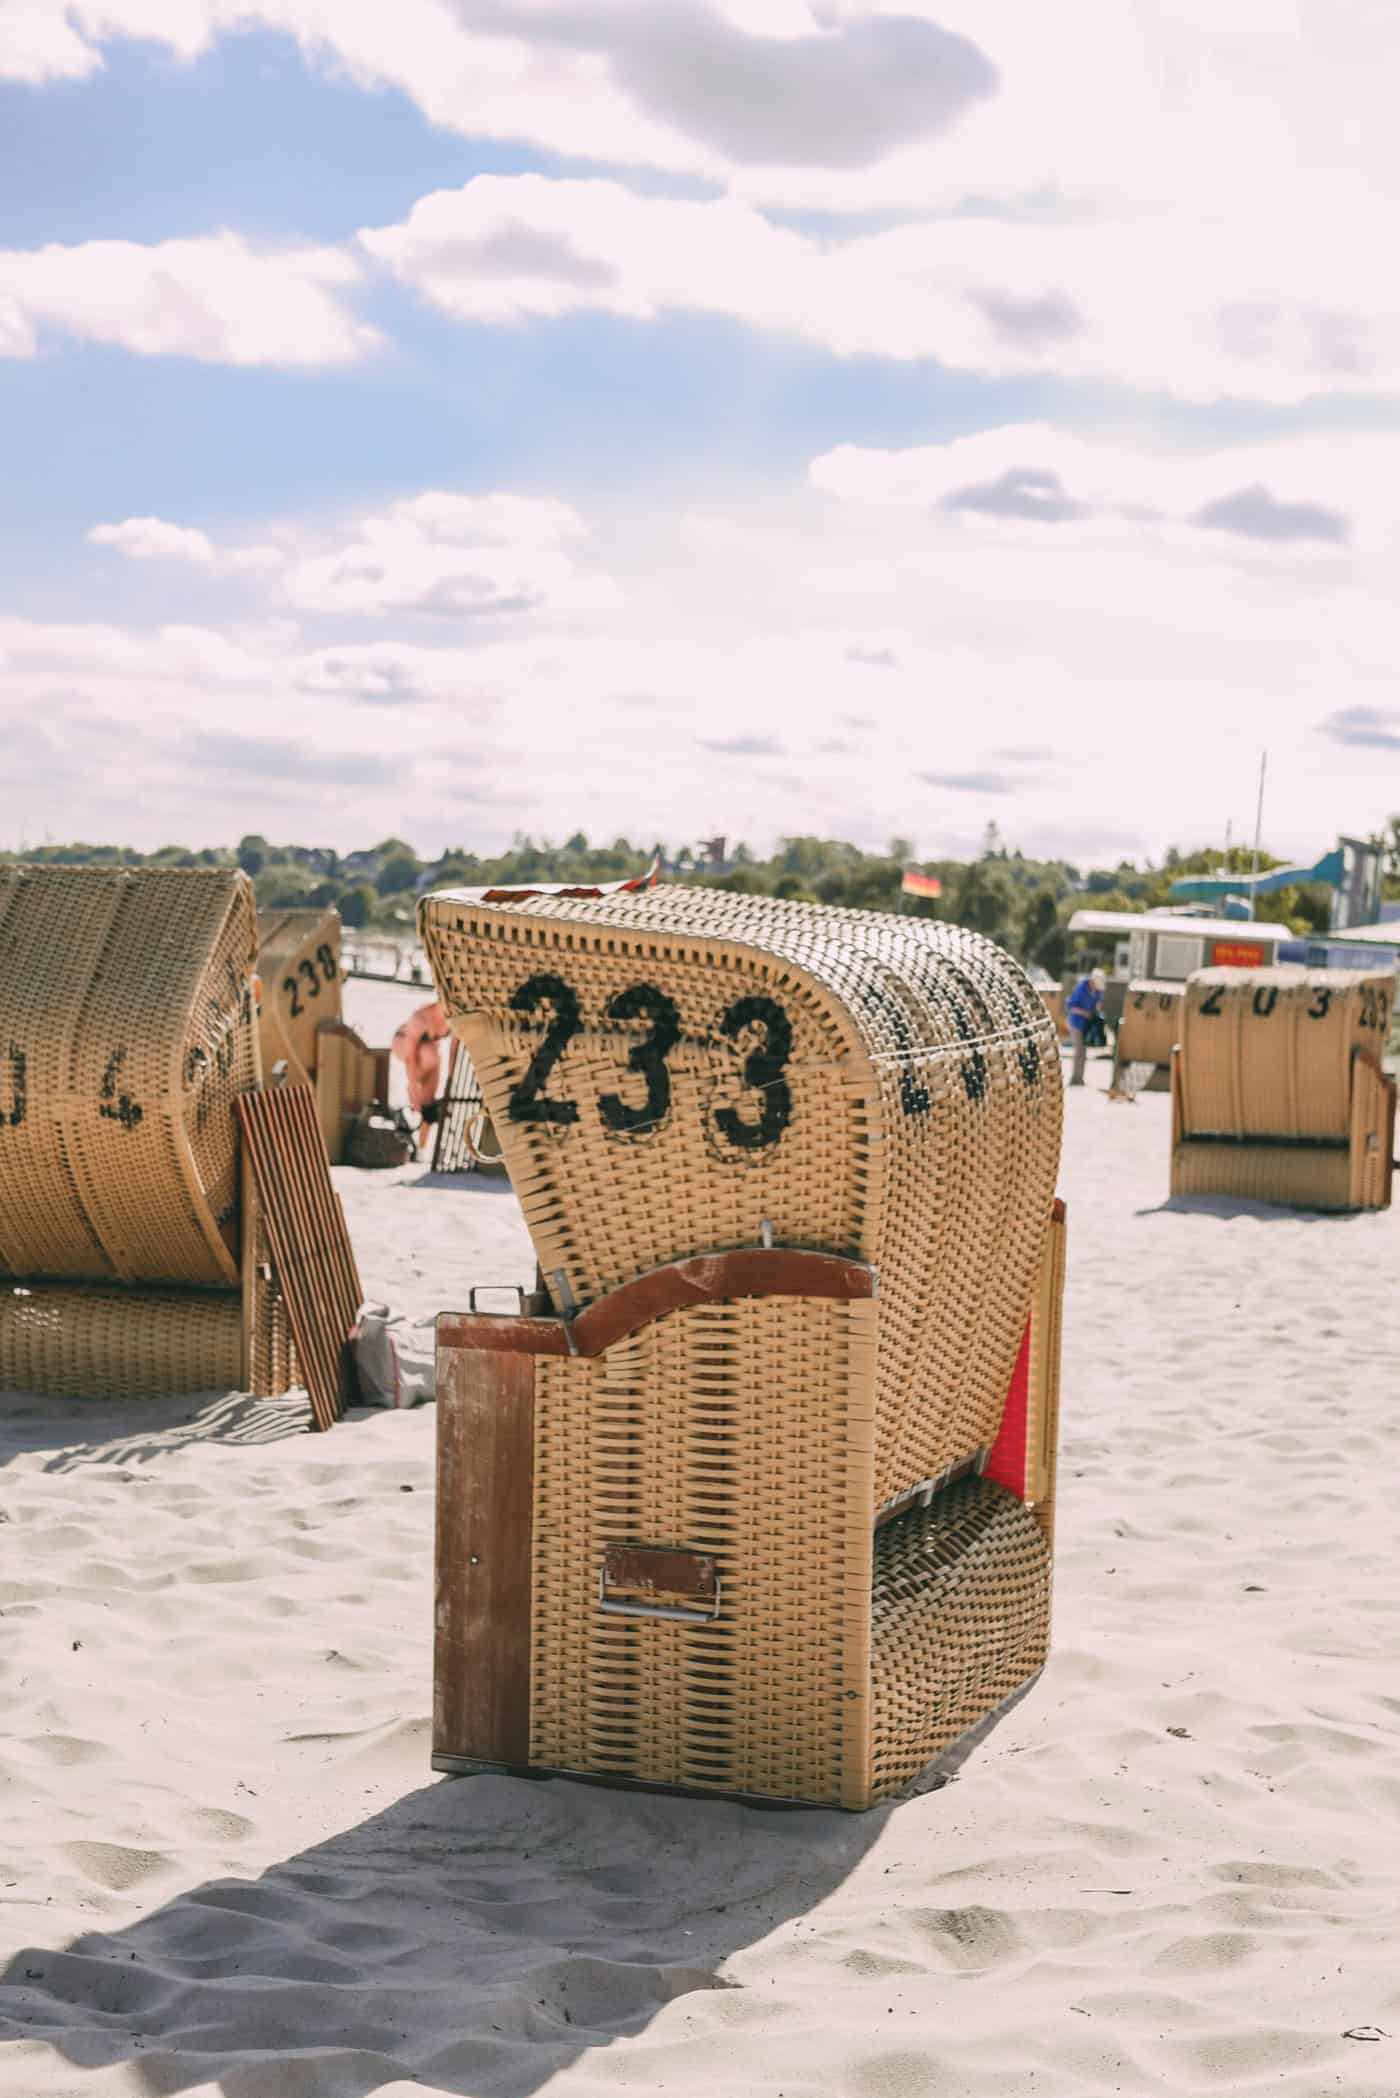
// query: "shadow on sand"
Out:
[83,1432]
[481,1934]
[1226,1206]
[473,1183]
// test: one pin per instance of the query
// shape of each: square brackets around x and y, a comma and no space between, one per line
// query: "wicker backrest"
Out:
[682,1070]
[299,970]
[127,1028]
[1268,1052]
[1151,1022]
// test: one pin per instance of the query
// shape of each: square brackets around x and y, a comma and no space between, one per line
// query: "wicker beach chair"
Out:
[299,970]
[131,1261]
[301,974]
[755,1496]
[1278,1093]
[1147,1034]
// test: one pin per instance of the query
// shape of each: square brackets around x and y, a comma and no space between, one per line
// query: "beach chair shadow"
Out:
[481,1934]
[84,1432]
[464,1183]
[1226,1206]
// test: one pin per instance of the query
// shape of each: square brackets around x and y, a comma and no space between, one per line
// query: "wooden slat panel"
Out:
[311,1249]
[485,1501]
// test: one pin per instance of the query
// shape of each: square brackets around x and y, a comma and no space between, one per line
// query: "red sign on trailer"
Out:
[1237,954]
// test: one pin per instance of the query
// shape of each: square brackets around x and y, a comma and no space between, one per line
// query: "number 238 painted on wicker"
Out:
[308,970]
[764,1064]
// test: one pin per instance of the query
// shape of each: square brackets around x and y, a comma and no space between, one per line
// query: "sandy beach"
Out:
[225,1866]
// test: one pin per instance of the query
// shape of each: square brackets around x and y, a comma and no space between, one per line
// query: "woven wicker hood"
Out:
[127,1025]
[672,1071]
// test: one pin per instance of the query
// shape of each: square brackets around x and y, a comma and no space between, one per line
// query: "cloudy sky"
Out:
[458,417]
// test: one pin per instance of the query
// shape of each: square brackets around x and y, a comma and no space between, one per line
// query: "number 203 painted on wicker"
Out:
[764,1063]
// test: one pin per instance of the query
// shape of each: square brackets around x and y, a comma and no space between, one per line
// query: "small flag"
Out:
[916,884]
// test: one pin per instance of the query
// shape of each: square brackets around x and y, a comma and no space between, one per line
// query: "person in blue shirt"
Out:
[1085,1000]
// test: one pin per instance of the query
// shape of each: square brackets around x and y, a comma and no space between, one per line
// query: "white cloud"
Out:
[850,656]
[440,553]
[152,539]
[1174,197]
[1299,496]
[216,299]
[690,86]
[38,42]
[1120,301]
[1182,104]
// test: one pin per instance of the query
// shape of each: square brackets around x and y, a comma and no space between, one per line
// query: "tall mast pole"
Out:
[1258,830]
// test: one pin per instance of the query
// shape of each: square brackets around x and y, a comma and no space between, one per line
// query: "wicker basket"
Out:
[300,973]
[135,1264]
[677,1076]
[1278,1091]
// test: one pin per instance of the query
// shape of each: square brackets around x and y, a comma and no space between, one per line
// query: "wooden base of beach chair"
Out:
[657,1559]
[103,1341]
[1352,1174]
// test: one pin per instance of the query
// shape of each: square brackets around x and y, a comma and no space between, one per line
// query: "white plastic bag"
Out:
[394,1361]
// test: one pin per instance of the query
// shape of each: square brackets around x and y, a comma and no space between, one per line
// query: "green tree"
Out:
[398,873]
[984,901]
[1042,923]
[355,905]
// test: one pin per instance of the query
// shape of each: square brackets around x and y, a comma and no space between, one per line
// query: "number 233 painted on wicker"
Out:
[764,1063]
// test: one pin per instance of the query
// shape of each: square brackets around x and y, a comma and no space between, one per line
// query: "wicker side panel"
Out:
[1372,1133]
[961,1620]
[968,1209]
[68,1340]
[1150,1024]
[1301,1176]
[299,968]
[1043,1406]
[1267,1052]
[742,1431]
[346,1073]
[126,1024]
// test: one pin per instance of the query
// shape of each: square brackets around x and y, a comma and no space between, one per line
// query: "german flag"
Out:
[916,884]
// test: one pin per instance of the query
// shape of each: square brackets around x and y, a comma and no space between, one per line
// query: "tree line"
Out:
[1021,902]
